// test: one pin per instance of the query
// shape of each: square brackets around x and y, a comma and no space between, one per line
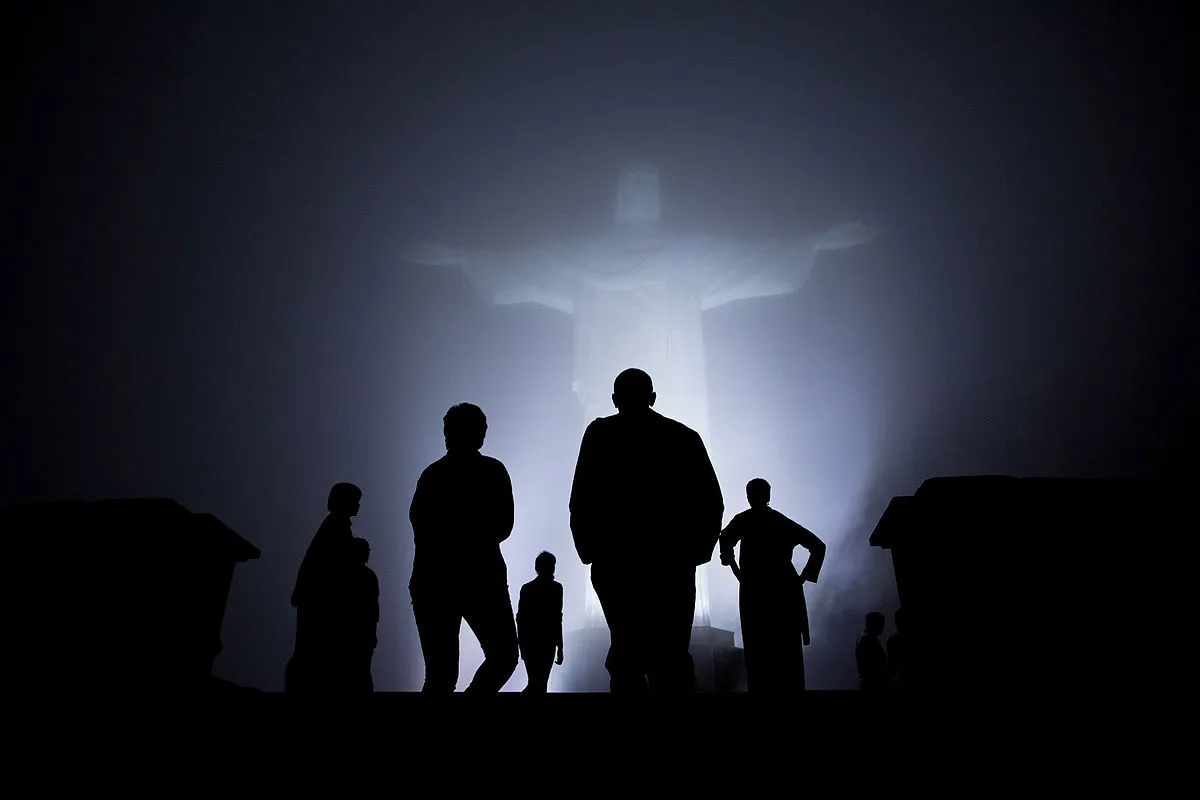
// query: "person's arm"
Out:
[559,592]
[729,539]
[709,505]
[583,501]
[505,513]
[418,509]
[312,577]
[816,551]
[520,619]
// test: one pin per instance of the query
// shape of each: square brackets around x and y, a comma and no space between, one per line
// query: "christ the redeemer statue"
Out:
[637,295]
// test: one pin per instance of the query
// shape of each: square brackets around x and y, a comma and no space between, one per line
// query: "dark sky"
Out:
[204,298]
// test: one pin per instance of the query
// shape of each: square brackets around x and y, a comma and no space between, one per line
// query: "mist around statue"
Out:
[637,294]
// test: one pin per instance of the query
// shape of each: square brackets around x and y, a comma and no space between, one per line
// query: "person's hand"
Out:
[559,660]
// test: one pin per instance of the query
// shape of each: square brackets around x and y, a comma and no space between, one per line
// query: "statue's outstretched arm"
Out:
[503,277]
[846,235]
[739,270]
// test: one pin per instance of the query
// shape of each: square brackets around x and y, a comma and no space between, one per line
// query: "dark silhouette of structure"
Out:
[895,651]
[131,595]
[774,614]
[323,599]
[869,657]
[364,588]
[539,624]
[461,511]
[646,510]
[988,568]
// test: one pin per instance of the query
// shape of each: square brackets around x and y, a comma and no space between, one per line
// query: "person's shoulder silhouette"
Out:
[330,551]
[464,499]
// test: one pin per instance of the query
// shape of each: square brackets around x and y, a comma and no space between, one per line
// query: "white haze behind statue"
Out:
[813,442]
[793,411]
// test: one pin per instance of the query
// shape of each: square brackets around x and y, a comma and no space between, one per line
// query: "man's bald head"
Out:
[633,391]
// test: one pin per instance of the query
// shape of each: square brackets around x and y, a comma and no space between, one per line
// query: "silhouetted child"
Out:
[895,650]
[364,616]
[317,665]
[539,623]
[869,655]
[771,601]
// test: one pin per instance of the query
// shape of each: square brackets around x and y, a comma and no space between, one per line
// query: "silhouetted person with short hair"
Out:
[363,616]
[461,511]
[318,664]
[869,655]
[539,623]
[646,510]
[896,644]
[771,601]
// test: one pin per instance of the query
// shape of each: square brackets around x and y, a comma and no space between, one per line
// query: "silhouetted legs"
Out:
[649,618]
[317,665]
[490,615]
[538,664]
[438,622]
[772,640]
[488,610]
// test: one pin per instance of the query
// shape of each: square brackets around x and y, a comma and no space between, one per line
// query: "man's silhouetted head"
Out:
[633,391]
[875,623]
[465,427]
[543,565]
[344,499]
[758,492]
[362,550]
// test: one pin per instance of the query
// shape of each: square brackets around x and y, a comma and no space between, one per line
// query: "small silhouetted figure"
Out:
[646,510]
[771,594]
[869,655]
[461,511]
[319,663]
[363,616]
[539,623]
[895,650]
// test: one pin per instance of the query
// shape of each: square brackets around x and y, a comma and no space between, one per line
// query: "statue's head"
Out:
[638,195]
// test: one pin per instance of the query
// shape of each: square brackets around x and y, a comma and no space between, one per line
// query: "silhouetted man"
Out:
[462,510]
[896,644]
[539,623]
[645,512]
[320,600]
[364,616]
[771,595]
[869,656]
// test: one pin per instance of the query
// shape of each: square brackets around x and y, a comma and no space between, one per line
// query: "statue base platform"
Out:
[720,666]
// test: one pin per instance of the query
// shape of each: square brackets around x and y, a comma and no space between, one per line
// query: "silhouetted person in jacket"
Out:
[363,616]
[645,512]
[461,511]
[869,655]
[771,594]
[539,623]
[319,663]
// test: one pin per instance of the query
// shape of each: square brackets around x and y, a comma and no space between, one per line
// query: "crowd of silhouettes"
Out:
[645,513]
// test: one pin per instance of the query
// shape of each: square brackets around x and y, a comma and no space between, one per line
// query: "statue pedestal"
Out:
[720,667]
